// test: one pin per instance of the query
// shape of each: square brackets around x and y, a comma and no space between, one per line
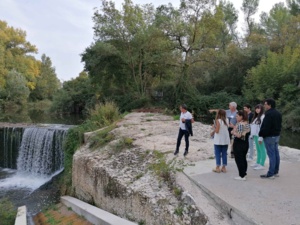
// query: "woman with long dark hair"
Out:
[241,134]
[221,141]
[259,144]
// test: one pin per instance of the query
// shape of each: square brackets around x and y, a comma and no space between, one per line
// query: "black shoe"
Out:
[176,152]
[185,153]
[266,176]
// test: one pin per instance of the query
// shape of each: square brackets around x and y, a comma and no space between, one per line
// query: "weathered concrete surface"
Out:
[21,216]
[256,200]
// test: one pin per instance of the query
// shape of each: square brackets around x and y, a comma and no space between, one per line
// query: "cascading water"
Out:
[41,151]
[29,158]
[40,155]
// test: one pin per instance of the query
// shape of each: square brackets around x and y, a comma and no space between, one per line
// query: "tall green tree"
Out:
[16,89]
[47,82]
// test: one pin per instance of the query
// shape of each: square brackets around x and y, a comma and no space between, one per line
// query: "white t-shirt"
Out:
[255,128]
[188,116]
[222,138]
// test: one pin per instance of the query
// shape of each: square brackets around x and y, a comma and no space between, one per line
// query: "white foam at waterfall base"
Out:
[25,180]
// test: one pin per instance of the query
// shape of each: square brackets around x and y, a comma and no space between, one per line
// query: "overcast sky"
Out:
[62,29]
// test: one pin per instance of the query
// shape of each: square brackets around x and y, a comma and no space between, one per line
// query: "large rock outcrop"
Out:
[132,180]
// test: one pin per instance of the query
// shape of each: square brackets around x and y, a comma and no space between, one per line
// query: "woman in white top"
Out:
[255,128]
[221,141]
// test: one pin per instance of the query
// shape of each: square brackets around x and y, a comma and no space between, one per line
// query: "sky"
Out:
[63,29]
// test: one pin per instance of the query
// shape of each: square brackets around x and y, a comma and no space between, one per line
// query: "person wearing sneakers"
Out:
[185,118]
[270,131]
[241,133]
[255,128]
[221,140]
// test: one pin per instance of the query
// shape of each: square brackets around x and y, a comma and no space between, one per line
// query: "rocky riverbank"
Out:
[133,173]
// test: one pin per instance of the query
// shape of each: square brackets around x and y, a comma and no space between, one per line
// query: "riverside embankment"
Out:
[122,181]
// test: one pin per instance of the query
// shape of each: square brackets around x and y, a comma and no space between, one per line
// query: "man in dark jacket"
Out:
[270,131]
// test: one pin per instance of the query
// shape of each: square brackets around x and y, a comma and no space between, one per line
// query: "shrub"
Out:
[7,212]
[104,114]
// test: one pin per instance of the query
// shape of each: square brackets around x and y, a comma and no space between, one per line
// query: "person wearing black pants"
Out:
[240,149]
[241,133]
[185,128]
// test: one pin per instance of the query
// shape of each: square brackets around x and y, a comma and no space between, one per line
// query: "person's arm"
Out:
[217,129]
[265,126]
[213,110]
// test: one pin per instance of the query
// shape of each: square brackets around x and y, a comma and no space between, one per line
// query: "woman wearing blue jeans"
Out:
[221,141]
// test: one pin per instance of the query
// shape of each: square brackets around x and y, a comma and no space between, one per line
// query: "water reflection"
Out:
[39,116]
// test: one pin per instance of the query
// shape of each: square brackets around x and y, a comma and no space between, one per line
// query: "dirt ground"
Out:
[59,215]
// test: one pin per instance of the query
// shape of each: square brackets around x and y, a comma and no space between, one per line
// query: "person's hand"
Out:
[183,120]
[260,142]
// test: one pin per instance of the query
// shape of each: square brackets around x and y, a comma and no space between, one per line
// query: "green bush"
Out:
[7,212]
[104,114]
[101,116]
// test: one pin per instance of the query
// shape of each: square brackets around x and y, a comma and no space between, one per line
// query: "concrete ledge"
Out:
[93,214]
[21,216]
[233,213]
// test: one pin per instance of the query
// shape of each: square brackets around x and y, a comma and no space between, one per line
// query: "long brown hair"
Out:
[222,115]
[258,115]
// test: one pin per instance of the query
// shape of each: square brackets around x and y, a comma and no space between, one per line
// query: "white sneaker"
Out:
[240,178]
[259,167]
[254,165]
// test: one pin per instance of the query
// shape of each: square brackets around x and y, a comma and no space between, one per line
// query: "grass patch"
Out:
[162,168]
[179,211]
[177,192]
[123,143]
[7,212]
[102,137]
[139,176]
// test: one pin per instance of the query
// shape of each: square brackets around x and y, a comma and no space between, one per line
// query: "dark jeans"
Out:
[271,144]
[240,149]
[186,137]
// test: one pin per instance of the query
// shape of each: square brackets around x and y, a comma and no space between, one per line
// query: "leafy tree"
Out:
[294,7]
[16,89]
[76,96]
[249,7]
[14,50]
[47,82]
[273,72]
[129,36]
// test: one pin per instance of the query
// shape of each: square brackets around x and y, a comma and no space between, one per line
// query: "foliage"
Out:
[20,73]
[7,212]
[102,137]
[273,72]
[75,138]
[162,168]
[75,96]
[104,114]
[47,82]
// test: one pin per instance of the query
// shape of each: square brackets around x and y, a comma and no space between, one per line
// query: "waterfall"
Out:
[41,151]
[36,152]
[10,141]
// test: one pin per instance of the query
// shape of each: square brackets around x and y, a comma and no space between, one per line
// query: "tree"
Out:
[47,82]
[249,7]
[127,35]
[16,89]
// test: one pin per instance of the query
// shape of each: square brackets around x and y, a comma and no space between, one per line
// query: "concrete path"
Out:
[256,200]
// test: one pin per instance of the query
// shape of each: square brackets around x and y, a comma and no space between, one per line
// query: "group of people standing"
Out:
[239,129]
